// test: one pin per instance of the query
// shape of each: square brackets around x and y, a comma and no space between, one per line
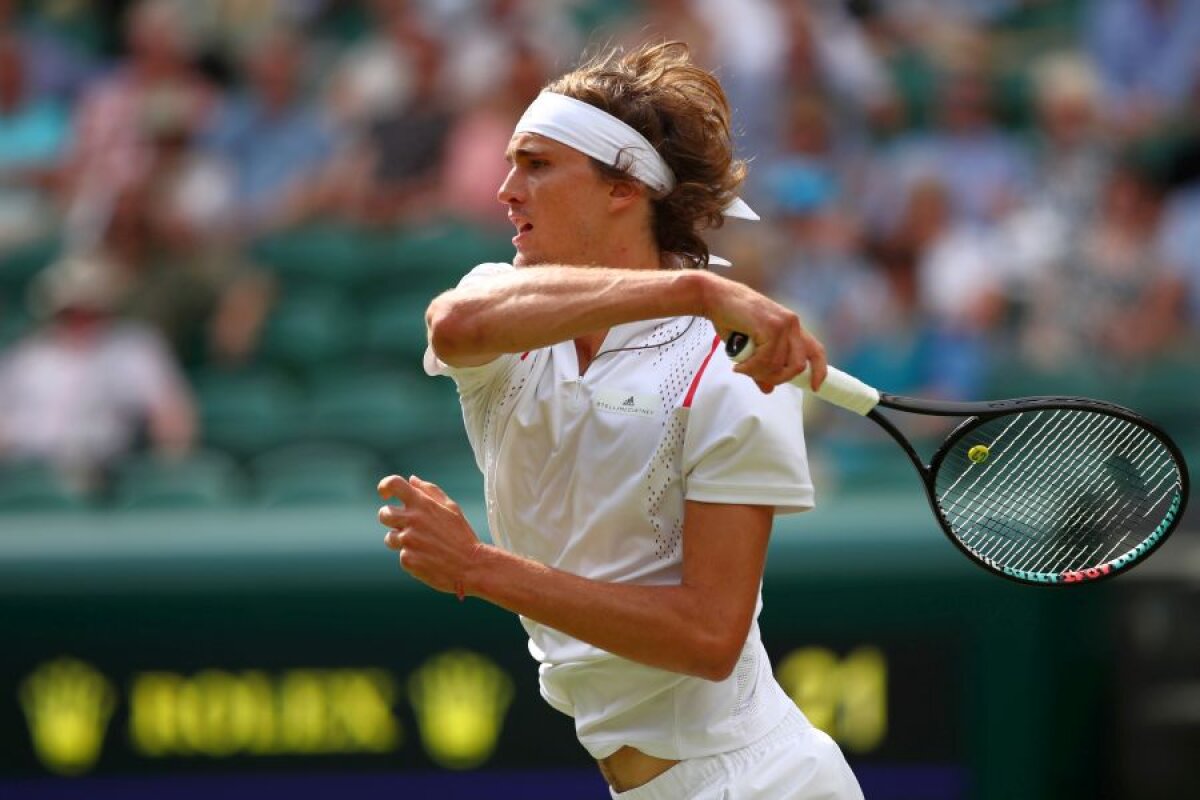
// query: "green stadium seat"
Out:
[203,479]
[395,329]
[316,473]
[307,329]
[451,465]
[247,412]
[329,255]
[426,261]
[384,410]
[1165,390]
[36,486]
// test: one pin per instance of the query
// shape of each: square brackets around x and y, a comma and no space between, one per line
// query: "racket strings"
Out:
[1114,511]
[1060,490]
[992,488]
[1133,498]
[1031,514]
[1025,497]
[1072,533]
[1074,538]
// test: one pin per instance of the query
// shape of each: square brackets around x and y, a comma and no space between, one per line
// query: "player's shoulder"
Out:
[488,269]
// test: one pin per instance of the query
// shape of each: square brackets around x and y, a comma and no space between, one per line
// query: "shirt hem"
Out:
[785,501]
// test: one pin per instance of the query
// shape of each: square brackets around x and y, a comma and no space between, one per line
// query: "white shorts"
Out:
[795,761]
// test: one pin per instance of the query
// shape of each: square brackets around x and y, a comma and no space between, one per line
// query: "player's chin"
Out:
[527,259]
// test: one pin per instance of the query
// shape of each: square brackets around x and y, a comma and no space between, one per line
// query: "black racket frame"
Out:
[977,413]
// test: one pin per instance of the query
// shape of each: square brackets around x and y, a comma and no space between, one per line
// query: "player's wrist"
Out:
[470,580]
[702,289]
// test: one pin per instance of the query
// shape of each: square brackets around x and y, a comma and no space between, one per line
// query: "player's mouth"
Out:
[522,232]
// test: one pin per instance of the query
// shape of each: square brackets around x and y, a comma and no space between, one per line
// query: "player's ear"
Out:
[624,193]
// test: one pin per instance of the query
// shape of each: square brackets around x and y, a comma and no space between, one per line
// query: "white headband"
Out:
[607,139]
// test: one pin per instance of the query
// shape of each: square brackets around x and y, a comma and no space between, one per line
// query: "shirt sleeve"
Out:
[469,378]
[746,447]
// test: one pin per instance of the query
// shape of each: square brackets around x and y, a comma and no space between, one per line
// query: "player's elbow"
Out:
[718,655]
[452,328]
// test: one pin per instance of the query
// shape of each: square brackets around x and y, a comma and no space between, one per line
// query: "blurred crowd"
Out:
[951,190]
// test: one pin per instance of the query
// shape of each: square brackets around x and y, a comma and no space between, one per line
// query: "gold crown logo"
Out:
[460,699]
[67,705]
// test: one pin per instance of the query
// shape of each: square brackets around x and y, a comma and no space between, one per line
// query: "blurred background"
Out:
[220,223]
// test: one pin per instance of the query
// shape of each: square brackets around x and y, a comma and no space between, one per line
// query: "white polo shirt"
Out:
[589,474]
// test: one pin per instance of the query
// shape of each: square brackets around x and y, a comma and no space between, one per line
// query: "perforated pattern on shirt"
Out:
[678,361]
[746,671]
[506,393]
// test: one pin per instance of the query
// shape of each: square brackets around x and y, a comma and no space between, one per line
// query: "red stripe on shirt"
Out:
[687,401]
[525,355]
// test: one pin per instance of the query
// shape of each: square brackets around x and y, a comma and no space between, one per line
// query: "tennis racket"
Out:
[1042,490]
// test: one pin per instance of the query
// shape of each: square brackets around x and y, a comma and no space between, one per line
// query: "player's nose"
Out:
[510,191]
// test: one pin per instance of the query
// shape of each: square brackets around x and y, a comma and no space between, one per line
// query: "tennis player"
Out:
[631,473]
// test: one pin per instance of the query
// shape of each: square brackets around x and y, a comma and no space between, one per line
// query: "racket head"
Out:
[1058,491]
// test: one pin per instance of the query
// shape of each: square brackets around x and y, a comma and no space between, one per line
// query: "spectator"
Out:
[829,53]
[1180,246]
[86,388]
[1111,293]
[471,168]
[274,141]
[375,77]
[957,288]
[112,146]
[55,68]
[1073,157]
[482,37]
[986,172]
[33,136]
[748,41]
[823,274]
[1148,55]
[203,298]
[1073,152]
[393,176]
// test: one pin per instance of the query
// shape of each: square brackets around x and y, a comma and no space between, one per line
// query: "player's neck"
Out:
[625,251]
[586,347]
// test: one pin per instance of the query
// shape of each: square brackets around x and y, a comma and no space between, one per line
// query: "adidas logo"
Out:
[621,401]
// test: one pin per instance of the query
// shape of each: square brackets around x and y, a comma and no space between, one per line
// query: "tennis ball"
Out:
[979,453]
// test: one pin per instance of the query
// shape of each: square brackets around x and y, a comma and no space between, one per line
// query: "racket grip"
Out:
[839,388]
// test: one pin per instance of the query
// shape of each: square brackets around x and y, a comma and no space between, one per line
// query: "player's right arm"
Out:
[535,307]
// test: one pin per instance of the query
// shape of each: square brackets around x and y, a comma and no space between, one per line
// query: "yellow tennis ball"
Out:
[979,453]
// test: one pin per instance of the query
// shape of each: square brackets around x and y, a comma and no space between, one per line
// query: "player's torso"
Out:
[585,474]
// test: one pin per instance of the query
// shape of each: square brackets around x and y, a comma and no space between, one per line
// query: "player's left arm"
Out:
[697,627]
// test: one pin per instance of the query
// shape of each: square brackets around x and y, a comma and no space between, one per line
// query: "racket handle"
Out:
[839,388]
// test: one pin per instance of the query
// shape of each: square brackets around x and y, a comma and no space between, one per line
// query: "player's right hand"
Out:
[782,346]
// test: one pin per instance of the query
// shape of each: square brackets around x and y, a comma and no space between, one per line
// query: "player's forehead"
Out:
[529,145]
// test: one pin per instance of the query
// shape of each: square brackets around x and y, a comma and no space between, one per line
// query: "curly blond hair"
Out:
[682,111]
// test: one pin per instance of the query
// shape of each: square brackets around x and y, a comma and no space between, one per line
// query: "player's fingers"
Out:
[817,363]
[787,362]
[394,539]
[766,359]
[397,487]
[432,489]
[393,516]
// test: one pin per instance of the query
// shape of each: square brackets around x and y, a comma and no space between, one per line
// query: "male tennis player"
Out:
[631,474]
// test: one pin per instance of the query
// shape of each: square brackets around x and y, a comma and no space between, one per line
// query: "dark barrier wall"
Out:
[232,653]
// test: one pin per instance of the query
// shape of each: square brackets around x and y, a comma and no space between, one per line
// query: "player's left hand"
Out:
[437,545]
